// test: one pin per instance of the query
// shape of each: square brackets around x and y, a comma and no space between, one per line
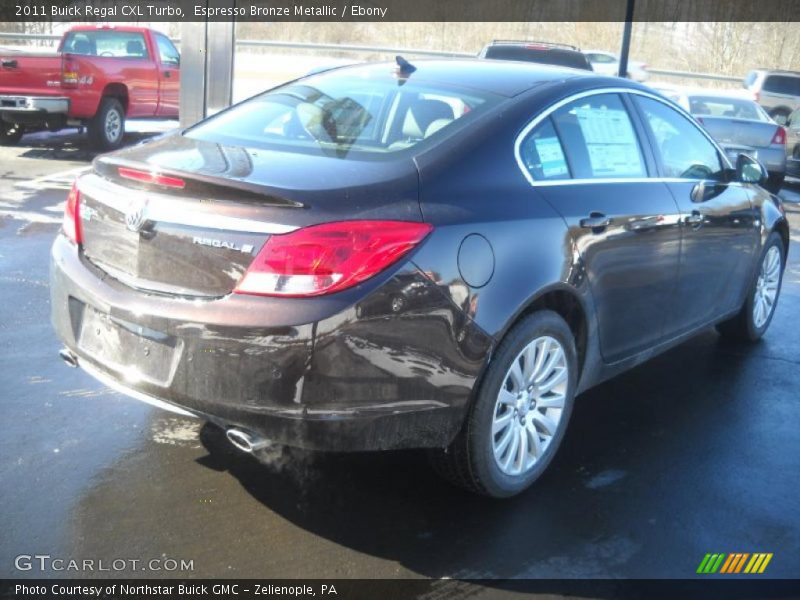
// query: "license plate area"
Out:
[137,353]
[733,153]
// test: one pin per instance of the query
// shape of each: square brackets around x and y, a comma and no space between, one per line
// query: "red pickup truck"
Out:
[99,76]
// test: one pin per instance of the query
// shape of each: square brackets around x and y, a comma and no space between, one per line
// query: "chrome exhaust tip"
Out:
[245,440]
[69,358]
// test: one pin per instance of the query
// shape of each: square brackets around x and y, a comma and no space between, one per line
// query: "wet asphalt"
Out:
[696,451]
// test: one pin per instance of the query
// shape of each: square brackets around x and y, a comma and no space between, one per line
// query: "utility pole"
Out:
[626,40]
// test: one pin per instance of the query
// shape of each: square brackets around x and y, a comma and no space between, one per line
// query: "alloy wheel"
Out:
[529,405]
[113,125]
[767,287]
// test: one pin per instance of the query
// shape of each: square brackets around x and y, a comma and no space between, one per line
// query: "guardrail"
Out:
[693,75]
[378,50]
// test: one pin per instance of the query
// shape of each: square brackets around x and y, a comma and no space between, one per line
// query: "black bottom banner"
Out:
[383,589]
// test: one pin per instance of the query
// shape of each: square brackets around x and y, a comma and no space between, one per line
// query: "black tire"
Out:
[102,135]
[10,133]
[469,461]
[774,182]
[743,327]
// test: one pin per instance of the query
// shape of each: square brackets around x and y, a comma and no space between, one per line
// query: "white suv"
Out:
[778,92]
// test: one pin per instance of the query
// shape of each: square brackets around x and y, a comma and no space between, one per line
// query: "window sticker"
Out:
[610,140]
[551,157]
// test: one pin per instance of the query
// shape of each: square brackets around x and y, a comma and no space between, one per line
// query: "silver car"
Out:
[740,126]
[607,63]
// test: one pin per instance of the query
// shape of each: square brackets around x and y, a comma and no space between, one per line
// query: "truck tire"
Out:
[10,133]
[107,127]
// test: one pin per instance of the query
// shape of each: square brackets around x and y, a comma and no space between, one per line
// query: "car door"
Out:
[587,160]
[718,222]
[169,76]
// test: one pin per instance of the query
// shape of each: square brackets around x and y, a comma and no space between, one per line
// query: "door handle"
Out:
[596,220]
[698,193]
[695,218]
[167,74]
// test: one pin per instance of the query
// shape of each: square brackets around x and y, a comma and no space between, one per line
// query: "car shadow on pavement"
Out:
[621,480]
[66,145]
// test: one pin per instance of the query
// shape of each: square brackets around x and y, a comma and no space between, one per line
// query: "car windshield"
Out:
[340,113]
[719,106]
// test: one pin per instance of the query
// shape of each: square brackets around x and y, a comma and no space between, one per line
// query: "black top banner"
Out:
[396,10]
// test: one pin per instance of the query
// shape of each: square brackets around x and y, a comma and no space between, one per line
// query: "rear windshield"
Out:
[782,84]
[338,113]
[545,56]
[736,108]
[117,44]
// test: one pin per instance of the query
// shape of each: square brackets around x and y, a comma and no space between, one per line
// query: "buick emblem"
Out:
[136,215]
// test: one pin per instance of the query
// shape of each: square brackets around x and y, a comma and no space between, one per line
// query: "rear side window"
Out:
[718,106]
[109,43]
[543,155]
[782,84]
[684,151]
[167,52]
[599,139]
[337,113]
[602,58]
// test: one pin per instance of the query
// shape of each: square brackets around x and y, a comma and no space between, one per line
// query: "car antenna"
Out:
[403,65]
[404,69]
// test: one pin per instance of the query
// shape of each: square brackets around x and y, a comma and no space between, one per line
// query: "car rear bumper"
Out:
[394,370]
[774,159]
[33,104]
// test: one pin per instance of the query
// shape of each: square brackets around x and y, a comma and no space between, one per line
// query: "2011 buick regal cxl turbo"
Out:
[438,255]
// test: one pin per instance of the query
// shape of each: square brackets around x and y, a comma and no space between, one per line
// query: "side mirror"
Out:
[749,170]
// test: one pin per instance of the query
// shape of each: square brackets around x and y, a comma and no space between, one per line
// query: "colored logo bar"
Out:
[741,562]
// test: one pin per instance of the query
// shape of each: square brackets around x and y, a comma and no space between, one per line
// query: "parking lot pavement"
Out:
[694,452]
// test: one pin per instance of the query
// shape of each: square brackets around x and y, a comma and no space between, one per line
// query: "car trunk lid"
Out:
[197,235]
[30,74]
[739,132]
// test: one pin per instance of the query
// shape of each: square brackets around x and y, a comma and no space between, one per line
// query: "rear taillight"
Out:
[148,177]
[69,73]
[756,96]
[780,136]
[72,215]
[328,258]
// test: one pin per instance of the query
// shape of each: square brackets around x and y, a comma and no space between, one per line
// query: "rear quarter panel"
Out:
[476,187]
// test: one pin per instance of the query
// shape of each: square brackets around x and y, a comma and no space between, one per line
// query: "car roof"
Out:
[731,95]
[505,78]
[533,44]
